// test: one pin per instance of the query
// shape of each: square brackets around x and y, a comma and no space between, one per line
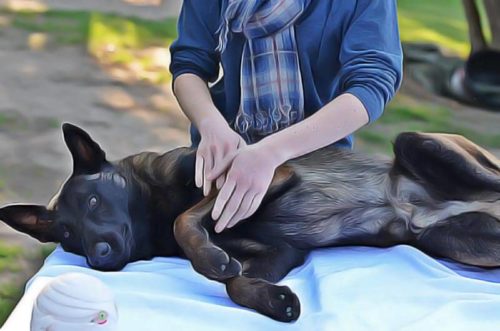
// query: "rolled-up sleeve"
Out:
[194,50]
[371,55]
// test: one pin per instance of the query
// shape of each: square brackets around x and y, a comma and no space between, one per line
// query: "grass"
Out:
[46,250]
[9,292]
[9,296]
[5,119]
[402,115]
[440,22]
[71,27]
[9,256]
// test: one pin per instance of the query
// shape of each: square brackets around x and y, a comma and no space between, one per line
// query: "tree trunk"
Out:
[493,12]
[477,39]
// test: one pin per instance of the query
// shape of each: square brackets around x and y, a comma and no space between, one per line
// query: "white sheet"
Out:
[351,288]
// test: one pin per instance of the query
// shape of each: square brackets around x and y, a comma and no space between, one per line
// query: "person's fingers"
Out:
[231,208]
[243,210]
[208,162]
[257,200]
[222,198]
[222,165]
[220,181]
[198,174]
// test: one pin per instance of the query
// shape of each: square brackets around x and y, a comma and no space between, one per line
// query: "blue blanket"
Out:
[349,288]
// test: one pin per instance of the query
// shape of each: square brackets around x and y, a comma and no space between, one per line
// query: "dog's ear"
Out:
[88,157]
[450,165]
[34,220]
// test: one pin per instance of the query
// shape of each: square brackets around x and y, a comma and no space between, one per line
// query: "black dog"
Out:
[440,194]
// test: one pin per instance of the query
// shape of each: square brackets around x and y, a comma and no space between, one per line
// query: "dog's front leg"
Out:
[207,258]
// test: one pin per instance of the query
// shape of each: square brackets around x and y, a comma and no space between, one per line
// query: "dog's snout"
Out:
[108,252]
[102,249]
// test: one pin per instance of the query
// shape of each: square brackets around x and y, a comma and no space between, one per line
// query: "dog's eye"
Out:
[93,201]
[66,232]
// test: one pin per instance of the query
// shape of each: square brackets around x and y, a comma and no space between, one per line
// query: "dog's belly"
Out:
[341,198]
[358,226]
[321,213]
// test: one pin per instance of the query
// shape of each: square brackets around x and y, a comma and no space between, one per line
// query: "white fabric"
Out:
[351,288]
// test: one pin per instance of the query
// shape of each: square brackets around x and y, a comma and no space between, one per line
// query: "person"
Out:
[298,75]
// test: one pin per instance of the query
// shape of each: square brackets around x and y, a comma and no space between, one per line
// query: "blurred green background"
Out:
[118,65]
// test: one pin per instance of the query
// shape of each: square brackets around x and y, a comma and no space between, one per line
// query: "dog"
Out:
[440,193]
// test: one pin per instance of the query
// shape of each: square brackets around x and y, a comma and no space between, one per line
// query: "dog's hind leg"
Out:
[255,289]
[207,258]
[471,238]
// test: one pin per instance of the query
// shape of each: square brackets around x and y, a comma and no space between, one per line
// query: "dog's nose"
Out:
[102,249]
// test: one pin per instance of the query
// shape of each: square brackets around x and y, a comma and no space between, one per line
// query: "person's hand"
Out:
[218,141]
[247,181]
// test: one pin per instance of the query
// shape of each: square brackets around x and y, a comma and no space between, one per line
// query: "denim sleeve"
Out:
[371,55]
[194,50]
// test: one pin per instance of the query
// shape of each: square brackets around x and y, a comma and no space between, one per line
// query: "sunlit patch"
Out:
[37,41]
[27,5]
[414,30]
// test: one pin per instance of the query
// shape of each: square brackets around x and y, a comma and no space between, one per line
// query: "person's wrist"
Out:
[212,124]
[275,154]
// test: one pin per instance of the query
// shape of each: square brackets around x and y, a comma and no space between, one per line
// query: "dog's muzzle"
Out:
[109,255]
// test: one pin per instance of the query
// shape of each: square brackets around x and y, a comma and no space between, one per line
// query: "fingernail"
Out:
[215,215]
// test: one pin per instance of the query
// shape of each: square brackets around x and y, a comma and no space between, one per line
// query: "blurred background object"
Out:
[103,64]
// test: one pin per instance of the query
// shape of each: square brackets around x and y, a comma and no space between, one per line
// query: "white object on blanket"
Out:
[341,289]
[77,302]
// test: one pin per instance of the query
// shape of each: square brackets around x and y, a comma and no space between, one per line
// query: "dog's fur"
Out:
[440,194]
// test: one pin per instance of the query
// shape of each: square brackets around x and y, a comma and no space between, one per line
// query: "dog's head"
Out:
[90,215]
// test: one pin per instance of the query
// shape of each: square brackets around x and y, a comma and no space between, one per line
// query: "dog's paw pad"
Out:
[284,305]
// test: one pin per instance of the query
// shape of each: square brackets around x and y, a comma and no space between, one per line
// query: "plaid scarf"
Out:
[272,96]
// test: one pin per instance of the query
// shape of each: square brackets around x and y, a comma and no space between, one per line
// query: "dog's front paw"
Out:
[214,263]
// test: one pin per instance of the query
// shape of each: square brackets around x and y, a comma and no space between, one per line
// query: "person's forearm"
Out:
[194,98]
[336,120]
